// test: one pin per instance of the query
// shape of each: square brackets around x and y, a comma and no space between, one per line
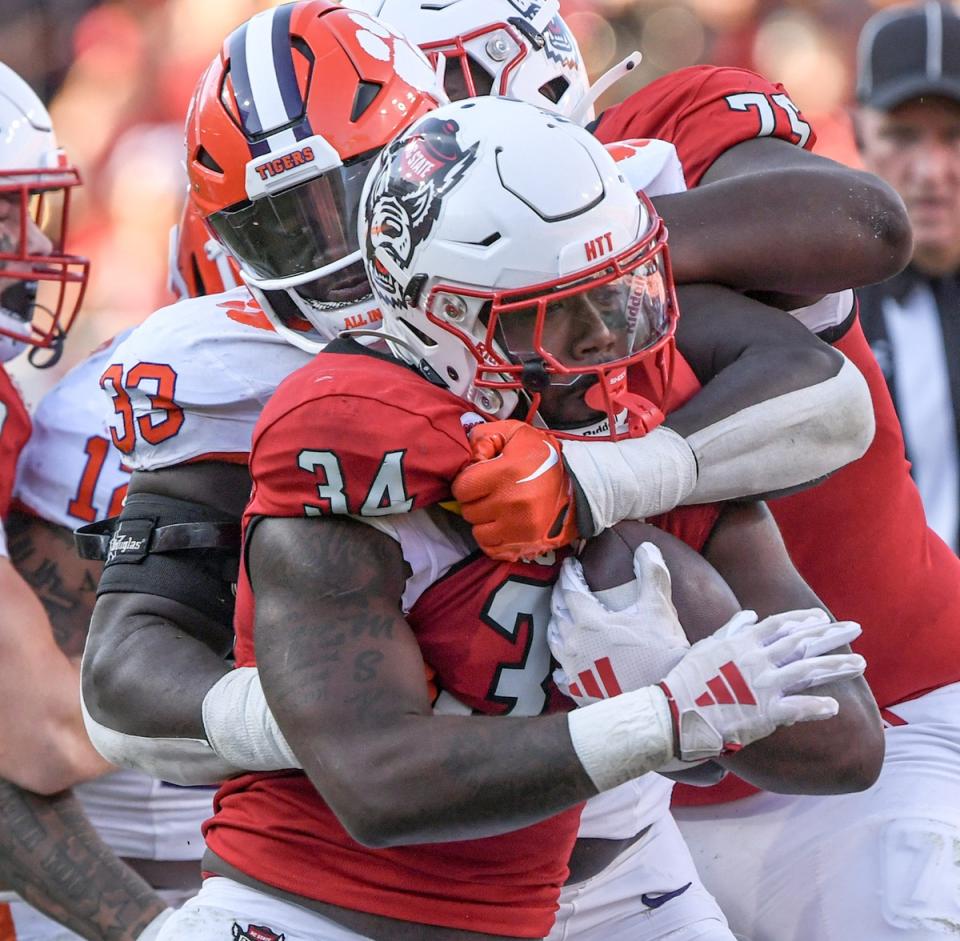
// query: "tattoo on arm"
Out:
[53,858]
[66,585]
[351,633]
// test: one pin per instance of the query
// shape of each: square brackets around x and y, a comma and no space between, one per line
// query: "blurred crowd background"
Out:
[117,76]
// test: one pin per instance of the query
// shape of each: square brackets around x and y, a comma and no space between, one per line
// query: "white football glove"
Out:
[740,684]
[602,652]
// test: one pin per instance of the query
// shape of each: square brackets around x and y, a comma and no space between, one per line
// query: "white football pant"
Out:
[654,870]
[881,865]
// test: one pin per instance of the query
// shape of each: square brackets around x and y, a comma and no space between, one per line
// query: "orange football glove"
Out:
[516,494]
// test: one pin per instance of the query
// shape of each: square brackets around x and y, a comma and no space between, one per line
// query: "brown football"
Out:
[703,600]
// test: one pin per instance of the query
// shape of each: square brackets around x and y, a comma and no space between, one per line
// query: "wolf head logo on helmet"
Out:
[559,45]
[412,178]
[256,933]
[480,225]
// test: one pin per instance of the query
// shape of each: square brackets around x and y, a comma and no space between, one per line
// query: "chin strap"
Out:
[609,78]
[642,416]
[43,357]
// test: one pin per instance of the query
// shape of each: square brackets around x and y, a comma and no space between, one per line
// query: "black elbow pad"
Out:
[187,552]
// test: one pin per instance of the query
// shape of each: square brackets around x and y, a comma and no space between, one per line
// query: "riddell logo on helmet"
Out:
[598,247]
[287,162]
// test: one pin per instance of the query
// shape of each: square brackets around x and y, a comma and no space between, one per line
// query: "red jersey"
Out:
[14,432]
[860,539]
[703,111]
[364,435]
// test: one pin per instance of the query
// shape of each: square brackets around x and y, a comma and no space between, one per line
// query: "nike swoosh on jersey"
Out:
[553,458]
[655,901]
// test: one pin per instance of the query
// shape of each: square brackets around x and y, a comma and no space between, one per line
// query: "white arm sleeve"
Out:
[184,761]
[242,735]
[631,479]
[786,441]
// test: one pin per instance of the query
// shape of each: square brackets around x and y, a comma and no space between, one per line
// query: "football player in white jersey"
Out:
[50,855]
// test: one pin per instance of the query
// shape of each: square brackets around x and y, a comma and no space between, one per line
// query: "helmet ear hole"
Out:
[205,159]
[555,89]
[366,94]
[419,334]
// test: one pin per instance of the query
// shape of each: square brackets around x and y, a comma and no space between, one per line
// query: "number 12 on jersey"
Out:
[82,505]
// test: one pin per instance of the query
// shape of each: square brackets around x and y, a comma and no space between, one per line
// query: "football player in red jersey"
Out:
[449,826]
[196,456]
[50,854]
[792,362]
[860,539]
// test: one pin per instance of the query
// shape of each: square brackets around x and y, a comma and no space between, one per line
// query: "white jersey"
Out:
[190,382]
[70,474]
[650,165]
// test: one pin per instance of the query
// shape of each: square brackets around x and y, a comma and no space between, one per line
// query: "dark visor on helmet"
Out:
[298,230]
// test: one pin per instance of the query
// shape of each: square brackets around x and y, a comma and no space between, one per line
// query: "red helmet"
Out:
[41,287]
[199,264]
[282,130]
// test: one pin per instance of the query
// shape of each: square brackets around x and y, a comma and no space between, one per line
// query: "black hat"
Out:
[907,52]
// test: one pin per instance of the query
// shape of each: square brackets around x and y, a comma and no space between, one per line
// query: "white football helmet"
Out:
[512,48]
[488,222]
[41,287]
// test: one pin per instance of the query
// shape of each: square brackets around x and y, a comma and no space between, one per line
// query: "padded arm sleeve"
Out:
[242,735]
[785,442]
